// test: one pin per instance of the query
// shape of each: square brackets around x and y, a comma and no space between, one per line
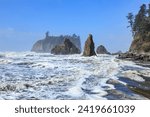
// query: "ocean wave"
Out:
[29,75]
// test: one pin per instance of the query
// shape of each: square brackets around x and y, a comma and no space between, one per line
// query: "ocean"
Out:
[43,76]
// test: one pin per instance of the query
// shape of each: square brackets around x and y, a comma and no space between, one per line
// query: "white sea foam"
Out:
[133,75]
[44,76]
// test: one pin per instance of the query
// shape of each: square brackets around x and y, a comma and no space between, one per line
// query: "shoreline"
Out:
[140,59]
[143,88]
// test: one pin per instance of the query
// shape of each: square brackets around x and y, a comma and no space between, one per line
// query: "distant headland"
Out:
[49,42]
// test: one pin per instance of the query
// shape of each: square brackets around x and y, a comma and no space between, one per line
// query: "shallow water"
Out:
[28,75]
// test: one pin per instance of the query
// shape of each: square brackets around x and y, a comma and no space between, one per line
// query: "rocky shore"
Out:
[141,88]
[124,91]
[135,57]
[139,59]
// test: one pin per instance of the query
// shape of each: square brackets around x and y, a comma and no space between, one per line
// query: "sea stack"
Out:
[102,50]
[89,48]
[66,48]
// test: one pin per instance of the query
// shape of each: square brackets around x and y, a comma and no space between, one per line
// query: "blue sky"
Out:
[23,22]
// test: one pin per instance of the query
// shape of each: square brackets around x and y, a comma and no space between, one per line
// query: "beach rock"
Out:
[67,48]
[125,55]
[89,48]
[49,42]
[135,57]
[102,50]
[112,81]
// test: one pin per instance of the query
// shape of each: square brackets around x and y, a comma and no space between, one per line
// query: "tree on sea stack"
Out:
[89,48]
[140,27]
[130,18]
[47,34]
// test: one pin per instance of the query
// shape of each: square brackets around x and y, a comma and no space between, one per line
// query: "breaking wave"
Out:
[29,75]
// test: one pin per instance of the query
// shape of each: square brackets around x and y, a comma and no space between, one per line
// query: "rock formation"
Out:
[89,48]
[140,44]
[67,48]
[49,42]
[140,27]
[102,50]
[135,57]
[139,49]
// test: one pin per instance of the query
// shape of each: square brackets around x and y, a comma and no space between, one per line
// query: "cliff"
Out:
[140,28]
[49,42]
[139,49]
[140,44]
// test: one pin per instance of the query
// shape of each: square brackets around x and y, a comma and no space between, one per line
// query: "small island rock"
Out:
[67,48]
[102,50]
[89,47]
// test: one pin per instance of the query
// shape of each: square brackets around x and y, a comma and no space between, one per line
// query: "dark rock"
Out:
[102,50]
[49,42]
[89,48]
[8,87]
[125,55]
[143,92]
[50,83]
[112,81]
[67,48]
[28,86]
[135,57]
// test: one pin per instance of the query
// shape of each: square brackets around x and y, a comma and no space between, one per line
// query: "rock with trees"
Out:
[140,28]
[49,42]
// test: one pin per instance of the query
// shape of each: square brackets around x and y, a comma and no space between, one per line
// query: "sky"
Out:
[23,22]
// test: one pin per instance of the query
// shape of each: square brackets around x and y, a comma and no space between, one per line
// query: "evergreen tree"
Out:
[148,11]
[143,11]
[140,23]
[130,18]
